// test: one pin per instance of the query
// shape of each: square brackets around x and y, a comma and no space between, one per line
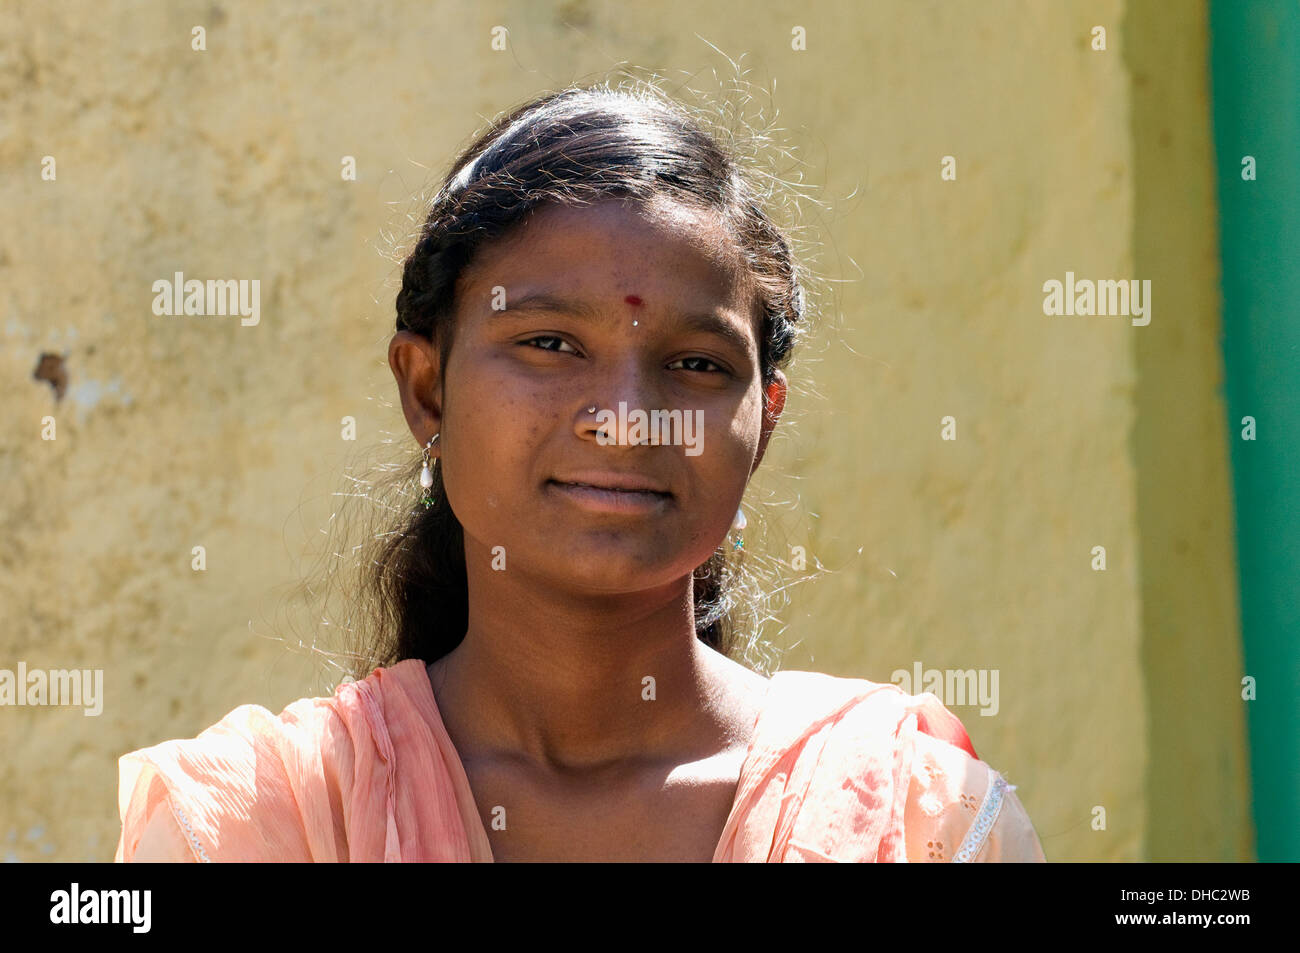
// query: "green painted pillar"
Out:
[1255,75]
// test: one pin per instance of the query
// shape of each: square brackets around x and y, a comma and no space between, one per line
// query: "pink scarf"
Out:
[370,774]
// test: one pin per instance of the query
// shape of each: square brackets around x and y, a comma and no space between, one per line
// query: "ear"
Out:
[416,366]
[773,404]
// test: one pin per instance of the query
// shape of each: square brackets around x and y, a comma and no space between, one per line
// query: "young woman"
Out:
[557,682]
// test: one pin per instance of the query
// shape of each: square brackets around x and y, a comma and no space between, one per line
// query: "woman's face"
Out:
[597,307]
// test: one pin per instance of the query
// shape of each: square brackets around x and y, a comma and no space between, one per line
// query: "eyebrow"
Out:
[706,321]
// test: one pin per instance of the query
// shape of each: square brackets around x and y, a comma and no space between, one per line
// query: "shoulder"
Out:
[911,760]
[960,809]
[252,784]
[740,691]
[812,703]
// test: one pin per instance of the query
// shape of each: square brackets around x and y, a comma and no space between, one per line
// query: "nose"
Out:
[603,416]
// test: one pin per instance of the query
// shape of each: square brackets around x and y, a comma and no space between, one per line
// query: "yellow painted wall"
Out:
[974,553]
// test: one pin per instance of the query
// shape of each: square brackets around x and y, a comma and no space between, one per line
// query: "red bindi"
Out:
[632,300]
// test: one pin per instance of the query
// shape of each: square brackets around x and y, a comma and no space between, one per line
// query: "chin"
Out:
[611,565]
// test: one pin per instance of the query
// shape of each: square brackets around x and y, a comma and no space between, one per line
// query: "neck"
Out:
[562,680]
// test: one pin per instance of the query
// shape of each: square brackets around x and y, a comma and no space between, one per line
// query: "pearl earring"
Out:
[738,524]
[426,474]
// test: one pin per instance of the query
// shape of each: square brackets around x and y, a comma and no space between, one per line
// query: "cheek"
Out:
[721,470]
[492,425]
[738,435]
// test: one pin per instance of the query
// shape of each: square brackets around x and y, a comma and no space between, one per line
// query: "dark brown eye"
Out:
[549,337]
[697,369]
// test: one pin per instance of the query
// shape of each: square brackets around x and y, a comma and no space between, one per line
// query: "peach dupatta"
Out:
[367,775]
[371,775]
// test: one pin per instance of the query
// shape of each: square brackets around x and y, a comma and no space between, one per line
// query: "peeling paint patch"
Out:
[51,367]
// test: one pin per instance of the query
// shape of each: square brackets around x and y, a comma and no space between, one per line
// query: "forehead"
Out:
[666,250]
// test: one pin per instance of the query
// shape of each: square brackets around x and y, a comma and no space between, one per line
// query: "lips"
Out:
[611,489]
[609,480]
[601,495]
